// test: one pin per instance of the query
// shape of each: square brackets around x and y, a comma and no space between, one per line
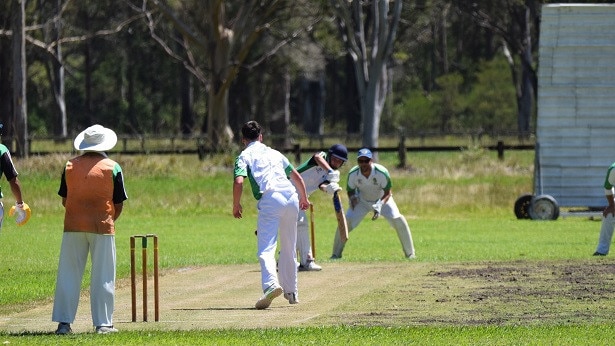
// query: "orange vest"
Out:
[89,201]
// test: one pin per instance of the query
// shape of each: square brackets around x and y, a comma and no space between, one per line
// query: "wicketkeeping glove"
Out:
[22,213]
[377,207]
[332,188]
[333,176]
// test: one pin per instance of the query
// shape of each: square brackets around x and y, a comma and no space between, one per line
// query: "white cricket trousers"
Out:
[390,212]
[606,234]
[73,258]
[304,245]
[278,211]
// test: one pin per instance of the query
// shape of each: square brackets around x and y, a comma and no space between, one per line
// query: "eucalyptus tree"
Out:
[48,27]
[216,39]
[5,65]
[516,24]
[369,30]
[13,73]
[20,114]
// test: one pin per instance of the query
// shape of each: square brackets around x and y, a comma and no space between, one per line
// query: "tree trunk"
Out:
[370,44]
[373,104]
[87,64]
[280,110]
[5,89]
[527,90]
[57,75]
[20,114]
[187,100]
[350,96]
[219,134]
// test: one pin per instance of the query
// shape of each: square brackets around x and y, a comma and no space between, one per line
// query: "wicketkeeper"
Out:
[369,190]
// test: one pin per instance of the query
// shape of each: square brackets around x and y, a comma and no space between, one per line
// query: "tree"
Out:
[368,28]
[20,114]
[55,63]
[222,33]
[6,96]
[45,36]
[517,27]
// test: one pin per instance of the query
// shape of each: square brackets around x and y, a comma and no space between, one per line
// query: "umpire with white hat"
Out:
[93,195]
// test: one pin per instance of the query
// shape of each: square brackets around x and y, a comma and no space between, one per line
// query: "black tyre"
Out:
[544,207]
[522,206]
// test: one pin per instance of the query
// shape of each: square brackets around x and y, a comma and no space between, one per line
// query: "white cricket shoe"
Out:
[271,293]
[106,330]
[310,267]
[292,297]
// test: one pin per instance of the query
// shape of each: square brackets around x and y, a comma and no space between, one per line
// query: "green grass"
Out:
[344,335]
[459,207]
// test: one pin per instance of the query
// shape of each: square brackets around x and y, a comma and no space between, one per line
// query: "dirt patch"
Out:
[563,292]
[383,294]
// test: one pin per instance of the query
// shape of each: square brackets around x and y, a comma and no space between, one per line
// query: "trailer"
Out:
[575,128]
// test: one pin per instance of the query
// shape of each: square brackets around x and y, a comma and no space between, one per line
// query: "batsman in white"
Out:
[268,171]
[369,189]
[21,210]
[608,221]
[320,172]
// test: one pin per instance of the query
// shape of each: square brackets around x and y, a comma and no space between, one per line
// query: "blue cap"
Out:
[365,153]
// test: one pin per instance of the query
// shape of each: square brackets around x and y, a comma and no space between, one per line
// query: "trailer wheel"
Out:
[522,206]
[544,207]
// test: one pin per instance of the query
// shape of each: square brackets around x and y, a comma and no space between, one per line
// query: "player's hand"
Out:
[237,211]
[354,200]
[304,204]
[332,188]
[22,213]
[333,176]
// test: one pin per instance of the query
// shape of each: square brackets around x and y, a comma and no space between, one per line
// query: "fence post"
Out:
[297,151]
[500,150]
[200,148]
[402,150]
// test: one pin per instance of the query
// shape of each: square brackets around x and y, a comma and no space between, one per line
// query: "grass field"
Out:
[459,206]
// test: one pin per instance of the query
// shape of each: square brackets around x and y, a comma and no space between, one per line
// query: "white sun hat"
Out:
[95,138]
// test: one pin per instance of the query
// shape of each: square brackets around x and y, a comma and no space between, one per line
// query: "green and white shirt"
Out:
[369,189]
[6,164]
[266,168]
[313,175]
[609,181]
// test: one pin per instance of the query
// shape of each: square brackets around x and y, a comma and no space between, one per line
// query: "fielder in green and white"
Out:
[369,190]
[20,210]
[608,221]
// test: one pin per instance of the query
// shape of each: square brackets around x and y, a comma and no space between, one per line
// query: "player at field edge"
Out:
[268,172]
[369,189]
[21,210]
[320,172]
[608,220]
